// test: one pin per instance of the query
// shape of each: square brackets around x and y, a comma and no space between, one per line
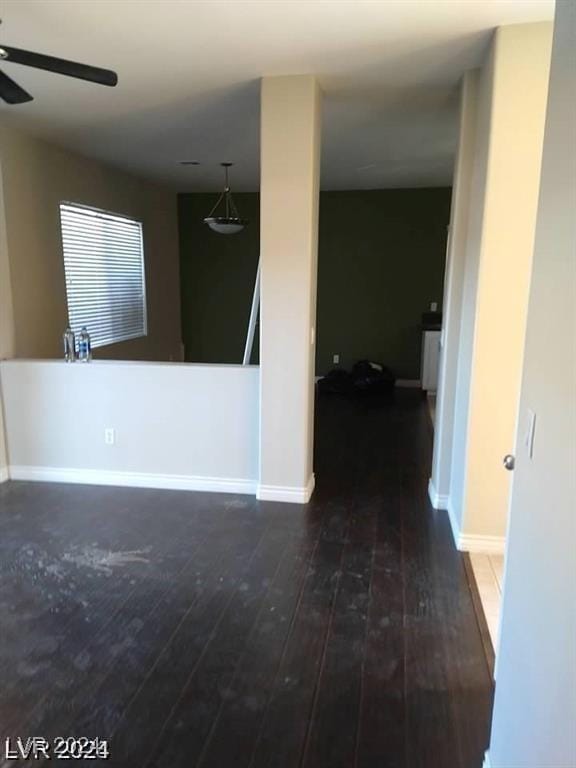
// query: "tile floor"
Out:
[489,575]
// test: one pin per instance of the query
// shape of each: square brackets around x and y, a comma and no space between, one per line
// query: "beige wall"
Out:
[37,177]
[521,71]
[289,194]
[507,142]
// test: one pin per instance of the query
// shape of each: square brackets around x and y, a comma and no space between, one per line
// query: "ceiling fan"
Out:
[12,93]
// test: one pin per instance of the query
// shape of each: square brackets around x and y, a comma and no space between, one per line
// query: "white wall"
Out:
[3,446]
[535,704]
[177,425]
[289,198]
[453,290]
[463,361]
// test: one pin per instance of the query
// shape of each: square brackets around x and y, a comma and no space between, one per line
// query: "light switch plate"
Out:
[109,435]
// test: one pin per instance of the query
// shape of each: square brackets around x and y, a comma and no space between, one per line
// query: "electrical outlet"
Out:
[335,359]
[434,306]
[109,435]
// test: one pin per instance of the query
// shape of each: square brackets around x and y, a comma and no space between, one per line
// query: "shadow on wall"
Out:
[381,263]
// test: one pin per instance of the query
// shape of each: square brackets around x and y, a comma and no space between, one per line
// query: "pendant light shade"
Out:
[228,222]
[225,226]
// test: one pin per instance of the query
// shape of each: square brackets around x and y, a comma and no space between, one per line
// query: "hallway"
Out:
[426,689]
[192,629]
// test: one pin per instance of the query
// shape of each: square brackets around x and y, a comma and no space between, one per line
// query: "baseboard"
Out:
[486,763]
[454,525]
[4,474]
[489,545]
[438,500]
[409,383]
[471,542]
[442,502]
[133,479]
[289,494]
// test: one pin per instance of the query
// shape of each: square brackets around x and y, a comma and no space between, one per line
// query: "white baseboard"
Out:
[454,525]
[486,763]
[472,542]
[489,545]
[133,479]
[438,500]
[442,502]
[288,494]
[409,383]
[4,474]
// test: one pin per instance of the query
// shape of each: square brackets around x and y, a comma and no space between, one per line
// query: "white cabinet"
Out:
[430,360]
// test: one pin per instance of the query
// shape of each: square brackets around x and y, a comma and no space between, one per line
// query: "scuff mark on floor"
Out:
[104,561]
[235,504]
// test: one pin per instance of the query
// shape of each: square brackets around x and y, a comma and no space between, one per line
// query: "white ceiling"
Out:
[189,70]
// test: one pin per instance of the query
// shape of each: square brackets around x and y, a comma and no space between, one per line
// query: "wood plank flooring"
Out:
[192,629]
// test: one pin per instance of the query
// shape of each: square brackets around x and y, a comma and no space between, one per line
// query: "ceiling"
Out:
[189,81]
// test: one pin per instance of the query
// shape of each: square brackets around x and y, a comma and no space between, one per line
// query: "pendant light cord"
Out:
[229,205]
[227,191]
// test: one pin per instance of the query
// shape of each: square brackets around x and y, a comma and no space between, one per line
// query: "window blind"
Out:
[104,268]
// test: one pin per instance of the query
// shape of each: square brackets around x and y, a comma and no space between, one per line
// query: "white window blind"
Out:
[104,266]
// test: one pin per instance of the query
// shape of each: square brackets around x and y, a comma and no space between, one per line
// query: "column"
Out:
[289,198]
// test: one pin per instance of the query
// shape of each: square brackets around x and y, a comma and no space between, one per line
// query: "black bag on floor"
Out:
[369,378]
[336,382]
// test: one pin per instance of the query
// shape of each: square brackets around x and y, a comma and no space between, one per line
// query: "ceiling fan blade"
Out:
[11,92]
[61,66]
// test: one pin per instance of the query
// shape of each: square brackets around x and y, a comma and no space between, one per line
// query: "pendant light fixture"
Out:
[230,222]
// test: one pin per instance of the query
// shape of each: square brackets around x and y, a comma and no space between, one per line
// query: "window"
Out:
[104,267]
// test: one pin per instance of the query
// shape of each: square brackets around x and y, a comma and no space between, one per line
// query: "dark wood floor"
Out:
[205,630]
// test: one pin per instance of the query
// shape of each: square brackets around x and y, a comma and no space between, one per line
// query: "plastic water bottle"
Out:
[69,341]
[84,346]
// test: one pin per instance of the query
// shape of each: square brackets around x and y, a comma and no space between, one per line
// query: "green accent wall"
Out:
[380,264]
[217,274]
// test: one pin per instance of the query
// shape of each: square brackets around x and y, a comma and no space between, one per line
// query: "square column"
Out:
[289,202]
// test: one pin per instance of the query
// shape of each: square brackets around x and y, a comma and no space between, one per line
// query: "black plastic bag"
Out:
[336,382]
[370,378]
